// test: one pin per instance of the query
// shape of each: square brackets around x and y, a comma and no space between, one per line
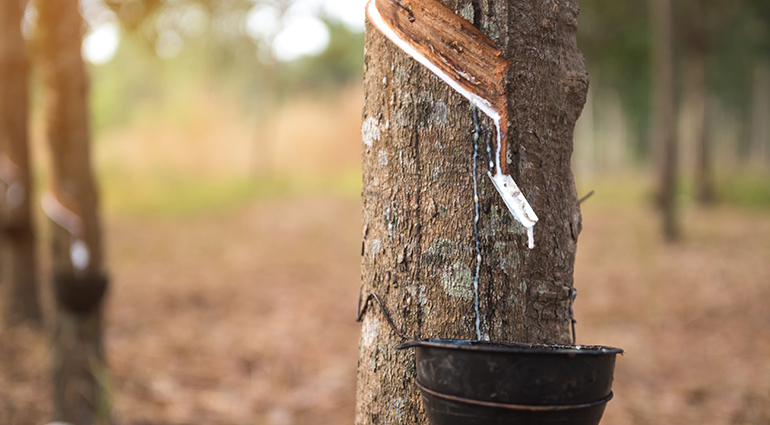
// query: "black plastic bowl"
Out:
[79,294]
[539,375]
[448,410]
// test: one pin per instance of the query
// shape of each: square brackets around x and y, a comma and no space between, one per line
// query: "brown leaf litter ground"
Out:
[246,316]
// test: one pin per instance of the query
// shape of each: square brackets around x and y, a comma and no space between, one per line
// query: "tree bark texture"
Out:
[663,115]
[419,249]
[18,265]
[78,357]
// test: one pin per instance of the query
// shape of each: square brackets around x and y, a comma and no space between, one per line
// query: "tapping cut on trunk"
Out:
[80,255]
[467,60]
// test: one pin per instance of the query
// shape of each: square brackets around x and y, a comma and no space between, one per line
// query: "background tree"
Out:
[419,249]
[760,111]
[699,26]
[615,39]
[664,110]
[695,31]
[755,23]
[17,253]
[719,50]
[78,356]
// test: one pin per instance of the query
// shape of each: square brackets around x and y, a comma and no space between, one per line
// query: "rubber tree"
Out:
[701,25]
[419,249]
[18,262]
[695,33]
[760,110]
[663,115]
[79,374]
[697,93]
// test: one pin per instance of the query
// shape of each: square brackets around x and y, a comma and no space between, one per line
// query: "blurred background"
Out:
[226,144]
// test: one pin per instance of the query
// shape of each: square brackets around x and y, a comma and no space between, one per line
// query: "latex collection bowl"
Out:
[475,382]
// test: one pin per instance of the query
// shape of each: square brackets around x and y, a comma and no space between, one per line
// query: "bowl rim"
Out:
[511,347]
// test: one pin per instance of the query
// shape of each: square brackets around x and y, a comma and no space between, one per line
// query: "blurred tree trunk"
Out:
[663,115]
[760,116]
[18,263]
[418,248]
[262,148]
[78,355]
[696,28]
[696,94]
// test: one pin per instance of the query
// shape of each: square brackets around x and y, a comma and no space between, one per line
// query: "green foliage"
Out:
[137,78]
[615,38]
[340,63]
[740,42]
[119,86]
[756,26]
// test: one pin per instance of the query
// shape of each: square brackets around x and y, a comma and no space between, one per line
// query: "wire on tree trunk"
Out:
[583,199]
[385,312]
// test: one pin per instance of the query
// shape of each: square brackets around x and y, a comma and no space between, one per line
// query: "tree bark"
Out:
[18,262]
[663,115]
[78,355]
[419,249]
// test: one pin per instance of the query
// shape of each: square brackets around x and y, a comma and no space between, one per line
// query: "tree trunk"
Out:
[695,31]
[760,111]
[78,357]
[663,115]
[419,251]
[18,263]
[697,99]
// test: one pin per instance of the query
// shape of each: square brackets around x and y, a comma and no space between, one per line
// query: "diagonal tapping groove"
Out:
[470,62]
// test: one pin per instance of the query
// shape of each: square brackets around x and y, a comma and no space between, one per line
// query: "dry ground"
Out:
[245,316]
